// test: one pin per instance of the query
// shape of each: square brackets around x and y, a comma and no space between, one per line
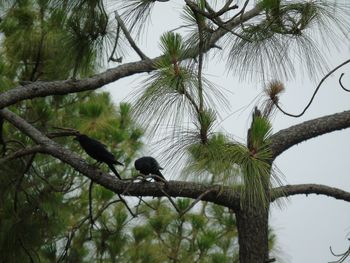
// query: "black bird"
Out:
[98,152]
[148,165]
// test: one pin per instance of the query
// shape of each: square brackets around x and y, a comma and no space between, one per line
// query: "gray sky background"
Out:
[306,226]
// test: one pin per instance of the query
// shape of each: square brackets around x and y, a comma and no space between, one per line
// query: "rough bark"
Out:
[286,138]
[252,226]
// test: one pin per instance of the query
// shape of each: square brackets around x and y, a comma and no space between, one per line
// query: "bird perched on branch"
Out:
[98,151]
[148,165]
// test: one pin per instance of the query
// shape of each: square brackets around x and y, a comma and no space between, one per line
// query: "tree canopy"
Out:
[57,206]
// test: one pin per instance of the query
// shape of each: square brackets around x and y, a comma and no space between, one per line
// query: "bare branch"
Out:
[341,256]
[92,222]
[341,84]
[214,17]
[289,190]
[111,57]
[195,202]
[286,138]
[315,92]
[129,37]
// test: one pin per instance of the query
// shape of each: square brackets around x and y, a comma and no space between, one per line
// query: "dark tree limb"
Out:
[224,196]
[286,138]
[43,89]
[318,189]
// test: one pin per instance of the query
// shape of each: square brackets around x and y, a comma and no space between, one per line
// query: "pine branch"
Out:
[43,88]
[286,138]
[318,189]
[225,196]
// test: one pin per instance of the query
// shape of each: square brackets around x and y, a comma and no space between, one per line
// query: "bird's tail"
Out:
[111,166]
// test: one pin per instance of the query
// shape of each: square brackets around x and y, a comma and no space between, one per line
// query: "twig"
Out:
[22,152]
[196,201]
[129,38]
[314,94]
[341,84]
[215,19]
[20,179]
[115,44]
[126,204]
[223,10]
[71,235]
[147,204]
[170,199]
[342,256]
[90,209]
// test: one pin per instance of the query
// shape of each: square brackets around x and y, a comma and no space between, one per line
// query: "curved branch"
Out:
[315,92]
[221,195]
[286,138]
[289,190]
[341,83]
[42,89]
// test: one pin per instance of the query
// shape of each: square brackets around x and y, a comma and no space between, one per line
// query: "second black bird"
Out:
[148,165]
[98,151]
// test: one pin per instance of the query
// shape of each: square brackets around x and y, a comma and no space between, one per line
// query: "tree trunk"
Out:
[252,226]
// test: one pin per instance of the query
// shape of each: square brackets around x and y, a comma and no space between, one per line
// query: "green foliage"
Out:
[43,202]
[171,95]
[136,13]
[288,30]
[185,239]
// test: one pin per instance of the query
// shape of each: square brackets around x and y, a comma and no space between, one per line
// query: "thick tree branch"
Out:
[286,138]
[289,190]
[42,89]
[221,195]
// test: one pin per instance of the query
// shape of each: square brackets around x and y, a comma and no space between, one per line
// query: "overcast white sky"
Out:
[306,226]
